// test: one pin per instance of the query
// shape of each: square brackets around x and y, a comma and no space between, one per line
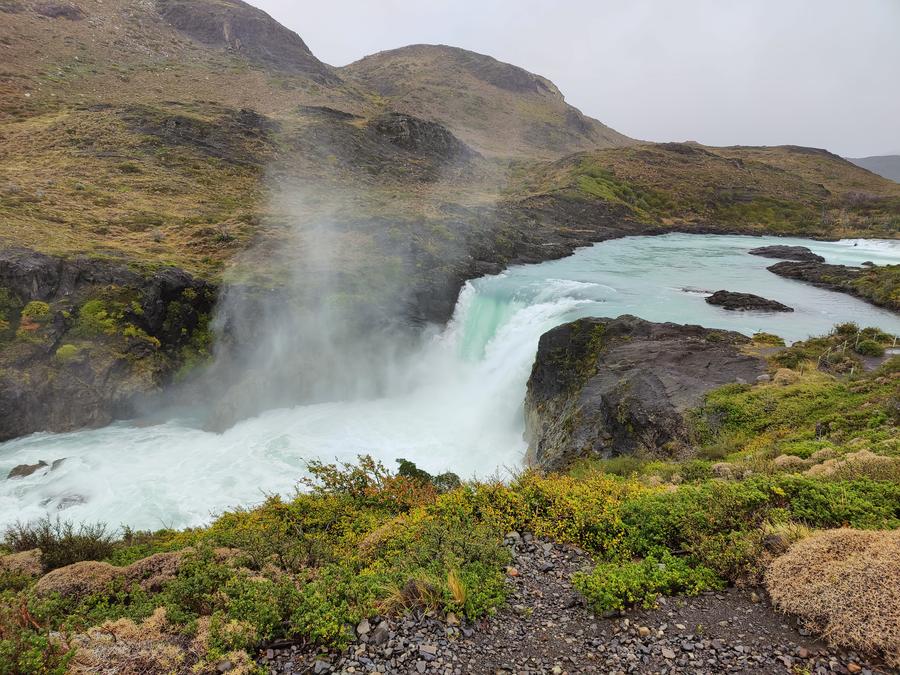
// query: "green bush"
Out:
[615,586]
[25,645]
[94,320]
[36,311]
[869,348]
[68,353]
[61,542]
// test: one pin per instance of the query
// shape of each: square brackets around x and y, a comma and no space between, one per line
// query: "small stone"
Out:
[224,666]
[853,667]
[680,626]
[643,631]
[803,653]
[381,634]
[754,597]
[556,670]
[363,628]
[420,666]
[321,666]
[668,653]
[512,572]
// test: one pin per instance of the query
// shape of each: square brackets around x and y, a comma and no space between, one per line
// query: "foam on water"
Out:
[460,405]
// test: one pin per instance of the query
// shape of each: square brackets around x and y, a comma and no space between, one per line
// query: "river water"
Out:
[459,406]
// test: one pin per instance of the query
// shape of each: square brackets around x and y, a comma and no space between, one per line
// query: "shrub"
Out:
[869,348]
[768,339]
[844,584]
[94,319]
[848,329]
[613,586]
[36,311]
[26,646]
[61,542]
[68,353]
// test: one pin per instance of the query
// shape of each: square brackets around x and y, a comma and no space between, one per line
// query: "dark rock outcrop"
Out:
[420,136]
[241,137]
[603,387]
[800,253]
[59,10]
[244,29]
[746,301]
[63,372]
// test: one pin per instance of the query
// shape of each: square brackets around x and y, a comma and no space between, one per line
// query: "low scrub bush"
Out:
[844,584]
[26,646]
[615,586]
[869,348]
[61,542]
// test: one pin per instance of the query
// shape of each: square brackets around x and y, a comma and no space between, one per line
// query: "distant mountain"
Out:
[884,165]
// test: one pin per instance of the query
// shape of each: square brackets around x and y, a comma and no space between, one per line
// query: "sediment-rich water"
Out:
[460,407]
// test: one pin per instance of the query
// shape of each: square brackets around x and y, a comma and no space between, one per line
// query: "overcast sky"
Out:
[822,73]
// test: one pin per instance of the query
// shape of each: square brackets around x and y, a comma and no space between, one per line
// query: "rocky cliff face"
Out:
[83,341]
[242,28]
[603,387]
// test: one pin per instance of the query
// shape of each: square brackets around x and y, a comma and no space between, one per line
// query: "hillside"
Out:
[784,189]
[884,165]
[489,104]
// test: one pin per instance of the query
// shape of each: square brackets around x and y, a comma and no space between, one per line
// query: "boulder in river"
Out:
[603,387]
[23,470]
[799,253]
[746,301]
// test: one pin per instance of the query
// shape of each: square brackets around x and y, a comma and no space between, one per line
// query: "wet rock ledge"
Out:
[602,387]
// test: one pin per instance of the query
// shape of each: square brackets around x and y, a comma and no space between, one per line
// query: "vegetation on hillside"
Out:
[779,190]
[881,286]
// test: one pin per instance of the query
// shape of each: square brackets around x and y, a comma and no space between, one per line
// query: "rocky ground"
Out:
[545,628]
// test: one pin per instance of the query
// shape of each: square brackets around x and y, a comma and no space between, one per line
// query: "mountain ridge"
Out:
[414,79]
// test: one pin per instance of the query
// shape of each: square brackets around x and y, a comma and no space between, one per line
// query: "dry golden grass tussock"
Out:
[855,465]
[151,647]
[788,463]
[844,584]
[27,563]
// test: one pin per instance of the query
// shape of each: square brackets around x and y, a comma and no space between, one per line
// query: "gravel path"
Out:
[545,628]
